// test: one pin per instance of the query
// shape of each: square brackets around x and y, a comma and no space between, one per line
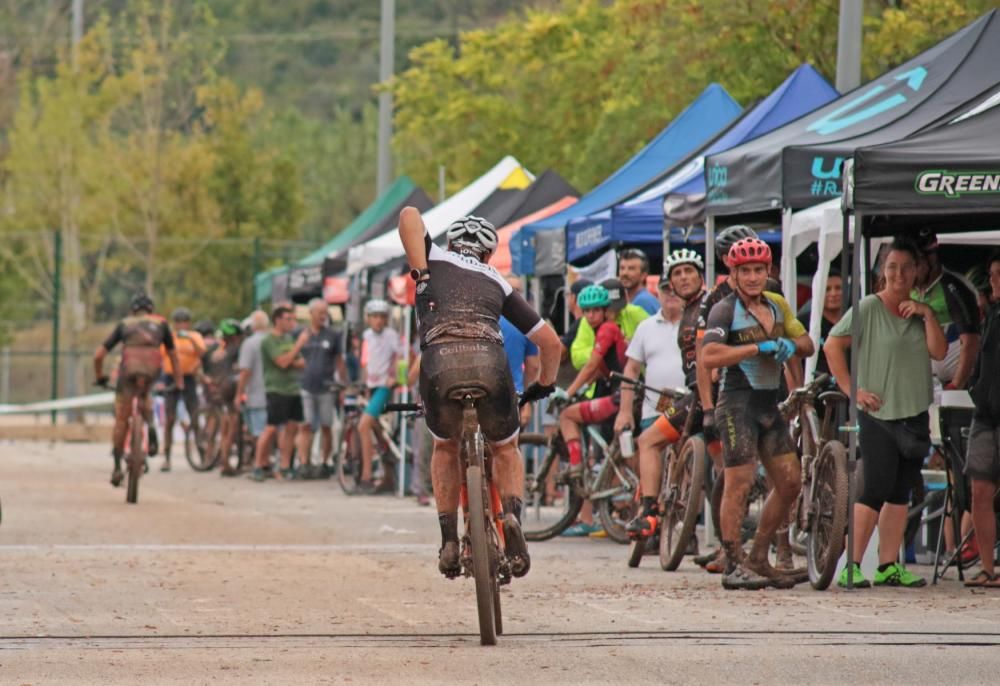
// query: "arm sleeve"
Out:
[115,337]
[843,327]
[793,327]
[720,319]
[168,337]
[519,313]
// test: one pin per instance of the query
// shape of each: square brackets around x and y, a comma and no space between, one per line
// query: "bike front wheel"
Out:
[481,567]
[201,441]
[680,516]
[551,503]
[828,520]
[349,460]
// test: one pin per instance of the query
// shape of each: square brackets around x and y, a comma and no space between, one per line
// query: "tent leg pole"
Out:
[710,252]
[853,403]
[788,271]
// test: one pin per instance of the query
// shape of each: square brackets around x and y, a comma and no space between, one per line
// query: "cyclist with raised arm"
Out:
[749,337]
[141,335]
[683,276]
[459,302]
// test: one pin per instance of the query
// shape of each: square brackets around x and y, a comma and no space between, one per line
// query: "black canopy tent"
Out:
[800,164]
[946,178]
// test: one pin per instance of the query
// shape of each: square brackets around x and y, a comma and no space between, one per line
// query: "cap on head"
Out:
[926,240]
[616,293]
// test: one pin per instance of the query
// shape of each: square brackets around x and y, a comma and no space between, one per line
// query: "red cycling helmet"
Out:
[749,251]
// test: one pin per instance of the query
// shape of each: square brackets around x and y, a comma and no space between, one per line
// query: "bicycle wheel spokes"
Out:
[683,504]
[551,502]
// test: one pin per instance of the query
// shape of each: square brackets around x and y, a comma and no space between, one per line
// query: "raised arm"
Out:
[411,234]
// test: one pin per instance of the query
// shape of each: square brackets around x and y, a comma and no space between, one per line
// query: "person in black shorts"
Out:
[459,301]
[750,335]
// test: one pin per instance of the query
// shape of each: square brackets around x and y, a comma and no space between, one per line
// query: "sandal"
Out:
[982,579]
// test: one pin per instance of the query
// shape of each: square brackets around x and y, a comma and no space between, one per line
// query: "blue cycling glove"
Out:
[782,349]
[786,350]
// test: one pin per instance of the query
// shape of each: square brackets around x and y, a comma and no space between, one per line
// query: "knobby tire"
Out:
[825,540]
[478,538]
[681,517]
[533,532]
[614,519]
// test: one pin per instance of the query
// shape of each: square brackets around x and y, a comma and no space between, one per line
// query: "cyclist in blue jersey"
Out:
[749,336]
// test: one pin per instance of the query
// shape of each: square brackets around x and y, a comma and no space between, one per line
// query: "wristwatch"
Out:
[420,274]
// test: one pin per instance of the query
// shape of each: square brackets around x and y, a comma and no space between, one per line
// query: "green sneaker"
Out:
[857,577]
[898,575]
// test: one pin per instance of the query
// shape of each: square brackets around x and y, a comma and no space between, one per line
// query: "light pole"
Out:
[849,45]
[385,71]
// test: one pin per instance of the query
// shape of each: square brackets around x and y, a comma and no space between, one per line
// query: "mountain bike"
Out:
[347,448]
[681,486]
[820,512]
[483,555]
[554,498]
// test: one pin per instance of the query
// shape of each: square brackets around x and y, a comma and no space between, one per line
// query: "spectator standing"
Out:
[190,347]
[281,364]
[898,339]
[832,306]
[320,347]
[983,461]
[633,268]
[251,399]
[956,307]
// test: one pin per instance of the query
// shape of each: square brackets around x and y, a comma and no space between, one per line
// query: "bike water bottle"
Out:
[626,443]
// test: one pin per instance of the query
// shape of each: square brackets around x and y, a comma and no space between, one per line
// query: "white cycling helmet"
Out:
[377,306]
[475,233]
[682,256]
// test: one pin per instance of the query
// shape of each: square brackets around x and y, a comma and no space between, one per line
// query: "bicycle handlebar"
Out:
[810,390]
[675,393]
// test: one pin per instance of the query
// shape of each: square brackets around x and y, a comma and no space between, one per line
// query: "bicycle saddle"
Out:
[474,391]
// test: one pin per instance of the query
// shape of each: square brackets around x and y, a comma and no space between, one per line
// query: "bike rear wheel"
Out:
[481,567]
[549,508]
[618,508]
[680,517]
[136,458]
[825,540]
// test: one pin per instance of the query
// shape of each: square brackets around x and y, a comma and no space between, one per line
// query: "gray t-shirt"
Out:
[250,358]
[320,354]
[894,363]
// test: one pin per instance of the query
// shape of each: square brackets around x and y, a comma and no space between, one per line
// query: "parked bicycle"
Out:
[347,447]
[483,555]
[553,499]
[820,513]
[681,486]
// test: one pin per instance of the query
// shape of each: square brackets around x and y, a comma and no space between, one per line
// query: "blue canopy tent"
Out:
[642,219]
[711,111]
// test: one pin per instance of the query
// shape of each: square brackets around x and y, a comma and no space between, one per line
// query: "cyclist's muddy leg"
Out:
[170,417]
[445,477]
[508,469]
[738,481]
[123,409]
[785,475]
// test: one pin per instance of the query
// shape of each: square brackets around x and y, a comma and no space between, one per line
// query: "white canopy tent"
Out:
[387,247]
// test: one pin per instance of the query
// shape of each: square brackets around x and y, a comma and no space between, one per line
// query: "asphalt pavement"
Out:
[216,581]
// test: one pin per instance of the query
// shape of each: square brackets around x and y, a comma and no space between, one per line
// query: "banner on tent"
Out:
[604,267]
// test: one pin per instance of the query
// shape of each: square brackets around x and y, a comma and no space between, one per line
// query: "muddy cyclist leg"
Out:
[447,482]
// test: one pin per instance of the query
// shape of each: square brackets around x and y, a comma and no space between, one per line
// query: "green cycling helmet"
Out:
[230,327]
[593,297]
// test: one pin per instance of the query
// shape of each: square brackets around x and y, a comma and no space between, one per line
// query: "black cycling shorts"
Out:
[474,363]
[751,428]
[282,409]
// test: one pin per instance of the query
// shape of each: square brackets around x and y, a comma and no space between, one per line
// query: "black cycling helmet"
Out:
[205,327]
[141,301]
[181,314]
[728,237]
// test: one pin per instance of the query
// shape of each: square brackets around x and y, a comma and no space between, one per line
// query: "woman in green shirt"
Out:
[898,339]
